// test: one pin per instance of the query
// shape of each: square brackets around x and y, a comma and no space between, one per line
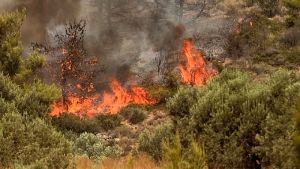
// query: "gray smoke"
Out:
[125,34]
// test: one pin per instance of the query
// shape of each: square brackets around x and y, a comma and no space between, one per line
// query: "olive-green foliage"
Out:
[33,99]
[160,93]
[108,121]
[31,142]
[90,145]
[134,115]
[11,61]
[29,67]
[70,122]
[244,123]
[150,141]
[10,44]
[292,4]
[257,37]
[268,41]
[270,7]
[176,157]
[26,141]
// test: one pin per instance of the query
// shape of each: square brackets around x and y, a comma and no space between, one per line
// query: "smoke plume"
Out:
[125,34]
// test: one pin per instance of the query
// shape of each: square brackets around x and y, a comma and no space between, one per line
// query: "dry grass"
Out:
[141,162]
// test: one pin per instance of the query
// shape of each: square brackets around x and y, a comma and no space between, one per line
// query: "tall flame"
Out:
[195,71]
[110,102]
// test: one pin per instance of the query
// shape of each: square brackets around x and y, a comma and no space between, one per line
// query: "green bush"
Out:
[70,122]
[134,115]
[244,123]
[30,142]
[32,100]
[150,141]
[160,93]
[269,7]
[108,121]
[176,157]
[90,145]
[293,5]
[73,123]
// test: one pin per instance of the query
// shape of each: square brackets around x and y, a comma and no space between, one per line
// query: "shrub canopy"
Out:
[244,122]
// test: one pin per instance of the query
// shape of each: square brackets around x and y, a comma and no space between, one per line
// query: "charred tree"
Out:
[73,69]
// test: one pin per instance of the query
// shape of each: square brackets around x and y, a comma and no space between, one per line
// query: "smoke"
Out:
[124,34]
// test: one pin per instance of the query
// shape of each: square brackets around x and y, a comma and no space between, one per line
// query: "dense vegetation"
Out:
[245,117]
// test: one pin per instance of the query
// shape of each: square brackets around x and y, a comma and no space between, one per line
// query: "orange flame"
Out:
[111,102]
[195,71]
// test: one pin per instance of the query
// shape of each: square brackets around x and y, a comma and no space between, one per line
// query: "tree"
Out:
[243,122]
[75,73]
[10,44]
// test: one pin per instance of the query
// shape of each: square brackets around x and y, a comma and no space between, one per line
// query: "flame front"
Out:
[110,102]
[195,71]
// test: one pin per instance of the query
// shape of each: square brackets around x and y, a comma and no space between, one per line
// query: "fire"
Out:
[195,71]
[110,102]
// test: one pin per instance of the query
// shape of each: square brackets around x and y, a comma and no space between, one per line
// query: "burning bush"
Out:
[196,71]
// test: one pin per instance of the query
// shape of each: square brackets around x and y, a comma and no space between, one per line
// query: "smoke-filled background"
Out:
[126,35]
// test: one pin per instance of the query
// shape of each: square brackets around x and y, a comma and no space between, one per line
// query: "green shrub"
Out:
[293,5]
[73,123]
[30,142]
[160,93]
[176,157]
[108,121]
[70,122]
[93,147]
[244,123]
[134,115]
[150,141]
[32,100]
